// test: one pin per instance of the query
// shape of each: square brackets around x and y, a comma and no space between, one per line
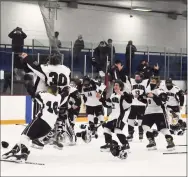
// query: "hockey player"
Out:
[155,113]
[74,103]
[120,102]
[52,73]
[94,108]
[137,108]
[175,101]
[50,102]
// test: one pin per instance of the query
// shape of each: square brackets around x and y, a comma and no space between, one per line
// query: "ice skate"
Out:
[22,158]
[14,151]
[130,137]
[171,145]
[141,136]
[37,144]
[126,147]
[105,148]
[151,145]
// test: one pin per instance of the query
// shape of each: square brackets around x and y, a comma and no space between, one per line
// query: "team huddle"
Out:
[57,100]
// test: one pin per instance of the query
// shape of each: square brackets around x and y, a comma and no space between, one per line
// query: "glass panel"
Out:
[173,64]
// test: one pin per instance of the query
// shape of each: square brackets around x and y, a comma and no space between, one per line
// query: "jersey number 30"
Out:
[58,79]
[52,107]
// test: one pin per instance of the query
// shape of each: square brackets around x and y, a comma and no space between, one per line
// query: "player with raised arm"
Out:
[120,102]
[138,85]
[155,113]
[94,109]
[53,73]
[50,102]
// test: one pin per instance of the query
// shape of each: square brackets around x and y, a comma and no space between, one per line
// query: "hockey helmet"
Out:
[54,59]
[86,136]
[138,77]
[98,79]
[168,82]
[86,81]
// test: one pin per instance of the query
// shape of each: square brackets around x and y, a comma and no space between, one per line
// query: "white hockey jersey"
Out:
[53,74]
[49,107]
[172,94]
[90,94]
[118,105]
[152,107]
[138,89]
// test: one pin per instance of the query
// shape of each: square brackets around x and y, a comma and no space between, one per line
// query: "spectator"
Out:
[17,36]
[118,71]
[78,46]
[101,55]
[55,44]
[149,71]
[111,51]
[129,56]
[141,67]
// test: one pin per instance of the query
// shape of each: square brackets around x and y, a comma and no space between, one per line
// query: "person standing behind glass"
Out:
[78,46]
[129,55]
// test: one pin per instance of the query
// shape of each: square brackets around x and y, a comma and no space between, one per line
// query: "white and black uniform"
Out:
[155,110]
[46,117]
[53,75]
[120,105]
[93,105]
[175,99]
[155,113]
[73,100]
[137,107]
[36,85]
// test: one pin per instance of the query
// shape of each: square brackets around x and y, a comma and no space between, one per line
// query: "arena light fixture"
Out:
[143,9]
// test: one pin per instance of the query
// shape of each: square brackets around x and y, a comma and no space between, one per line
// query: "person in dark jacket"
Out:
[129,55]
[101,56]
[118,71]
[142,66]
[17,36]
[148,70]
[78,46]
[111,50]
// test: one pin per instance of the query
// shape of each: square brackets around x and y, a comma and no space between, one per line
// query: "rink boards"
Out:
[18,110]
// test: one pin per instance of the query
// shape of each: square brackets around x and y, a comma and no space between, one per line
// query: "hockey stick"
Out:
[102,123]
[167,153]
[182,145]
[30,163]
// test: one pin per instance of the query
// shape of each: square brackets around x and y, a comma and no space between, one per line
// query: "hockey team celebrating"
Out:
[134,101]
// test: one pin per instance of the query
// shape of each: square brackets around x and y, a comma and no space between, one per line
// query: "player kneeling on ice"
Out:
[50,102]
[155,113]
[120,102]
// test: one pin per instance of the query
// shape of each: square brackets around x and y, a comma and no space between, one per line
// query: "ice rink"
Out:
[87,160]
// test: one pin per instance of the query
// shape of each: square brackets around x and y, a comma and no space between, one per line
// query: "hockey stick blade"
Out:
[166,153]
[30,163]
[182,145]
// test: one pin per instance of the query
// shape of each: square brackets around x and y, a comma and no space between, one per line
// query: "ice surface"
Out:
[87,160]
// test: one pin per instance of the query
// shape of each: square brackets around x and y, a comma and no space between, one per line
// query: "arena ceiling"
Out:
[164,6]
